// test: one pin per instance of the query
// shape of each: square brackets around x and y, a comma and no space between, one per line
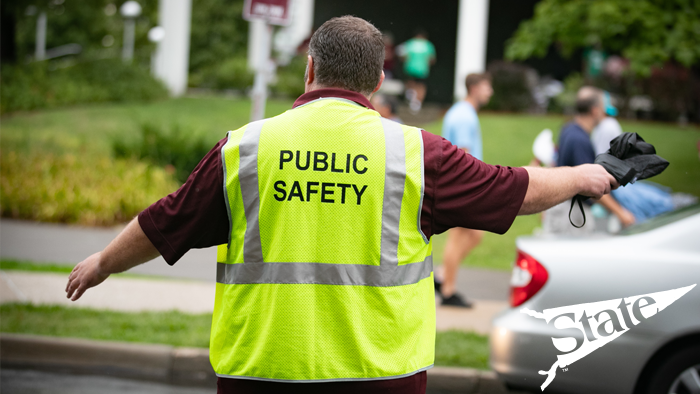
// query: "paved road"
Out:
[56,243]
[35,382]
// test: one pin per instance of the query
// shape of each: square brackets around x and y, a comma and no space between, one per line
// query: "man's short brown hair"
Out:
[475,79]
[348,53]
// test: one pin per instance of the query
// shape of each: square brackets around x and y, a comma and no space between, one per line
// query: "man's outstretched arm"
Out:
[548,187]
[129,249]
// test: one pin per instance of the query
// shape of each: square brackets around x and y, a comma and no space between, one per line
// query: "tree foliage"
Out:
[647,32]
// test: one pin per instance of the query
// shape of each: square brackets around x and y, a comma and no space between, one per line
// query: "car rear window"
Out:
[662,220]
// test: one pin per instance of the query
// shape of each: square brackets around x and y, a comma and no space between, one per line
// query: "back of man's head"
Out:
[475,79]
[587,98]
[348,53]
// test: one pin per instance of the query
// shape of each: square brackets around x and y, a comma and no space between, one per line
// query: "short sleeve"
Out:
[194,216]
[466,192]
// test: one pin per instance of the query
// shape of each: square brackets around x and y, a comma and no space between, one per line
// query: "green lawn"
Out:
[452,348]
[88,130]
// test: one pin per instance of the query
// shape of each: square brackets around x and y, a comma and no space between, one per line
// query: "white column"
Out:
[173,52]
[472,27]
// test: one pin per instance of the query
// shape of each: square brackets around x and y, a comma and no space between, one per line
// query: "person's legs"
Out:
[421,89]
[410,89]
[460,242]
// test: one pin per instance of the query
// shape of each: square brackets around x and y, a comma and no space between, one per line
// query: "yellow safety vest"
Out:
[327,275]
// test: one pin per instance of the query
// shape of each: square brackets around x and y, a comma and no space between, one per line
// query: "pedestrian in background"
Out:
[323,217]
[461,127]
[575,148]
[386,106]
[418,54]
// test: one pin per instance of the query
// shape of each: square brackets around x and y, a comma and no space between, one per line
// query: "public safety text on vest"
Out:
[327,192]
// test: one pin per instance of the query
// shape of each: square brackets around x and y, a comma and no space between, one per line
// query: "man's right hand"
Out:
[595,181]
[85,275]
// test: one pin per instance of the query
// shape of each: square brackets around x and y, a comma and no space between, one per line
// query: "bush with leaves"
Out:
[647,32]
[36,85]
[181,150]
[511,90]
[290,78]
[89,190]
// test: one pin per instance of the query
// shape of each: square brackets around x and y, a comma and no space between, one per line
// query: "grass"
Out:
[170,328]
[20,265]
[462,349]
[66,269]
[507,141]
[452,348]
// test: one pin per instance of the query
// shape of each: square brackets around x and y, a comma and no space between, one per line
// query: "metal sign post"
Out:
[271,12]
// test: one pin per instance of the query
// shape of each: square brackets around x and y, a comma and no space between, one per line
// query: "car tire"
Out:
[679,370]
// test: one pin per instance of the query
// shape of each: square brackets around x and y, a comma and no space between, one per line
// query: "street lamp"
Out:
[130,11]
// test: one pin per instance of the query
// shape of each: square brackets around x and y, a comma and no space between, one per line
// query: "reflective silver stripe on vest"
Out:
[394,182]
[388,273]
[248,177]
[324,274]
[221,375]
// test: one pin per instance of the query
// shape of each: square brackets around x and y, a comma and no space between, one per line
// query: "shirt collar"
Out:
[332,93]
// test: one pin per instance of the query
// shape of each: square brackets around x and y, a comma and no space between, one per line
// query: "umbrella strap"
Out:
[580,205]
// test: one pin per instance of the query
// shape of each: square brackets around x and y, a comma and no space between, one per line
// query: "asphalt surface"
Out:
[57,243]
[14,381]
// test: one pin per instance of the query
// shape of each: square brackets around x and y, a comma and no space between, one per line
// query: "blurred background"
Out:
[107,106]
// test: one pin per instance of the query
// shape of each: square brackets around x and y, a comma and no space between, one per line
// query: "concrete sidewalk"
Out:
[189,296]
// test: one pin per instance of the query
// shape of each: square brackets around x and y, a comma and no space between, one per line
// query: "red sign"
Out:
[276,12]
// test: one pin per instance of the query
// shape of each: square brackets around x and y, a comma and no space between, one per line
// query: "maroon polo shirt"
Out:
[460,191]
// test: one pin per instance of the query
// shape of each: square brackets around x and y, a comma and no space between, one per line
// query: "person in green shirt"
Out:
[418,54]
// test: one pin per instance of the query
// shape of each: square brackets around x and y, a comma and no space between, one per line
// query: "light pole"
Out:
[40,48]
[130,11]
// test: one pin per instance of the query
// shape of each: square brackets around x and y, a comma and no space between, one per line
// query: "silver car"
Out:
[606,313]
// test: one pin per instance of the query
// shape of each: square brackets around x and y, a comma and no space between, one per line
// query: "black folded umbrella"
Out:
[628,160]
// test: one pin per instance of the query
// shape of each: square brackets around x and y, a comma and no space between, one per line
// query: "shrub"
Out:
[89,190]
[36,85]
[511,90]
[180,149]
[231,73]
[290,78]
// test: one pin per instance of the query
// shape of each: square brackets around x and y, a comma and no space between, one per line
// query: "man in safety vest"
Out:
[323,216]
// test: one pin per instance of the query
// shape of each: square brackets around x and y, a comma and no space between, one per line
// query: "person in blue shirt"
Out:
[461,127]
[575,147]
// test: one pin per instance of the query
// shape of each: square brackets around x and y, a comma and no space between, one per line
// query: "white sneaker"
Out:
[410,94]
[415,106]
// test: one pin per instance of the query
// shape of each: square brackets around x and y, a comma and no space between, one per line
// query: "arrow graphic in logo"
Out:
[599,322]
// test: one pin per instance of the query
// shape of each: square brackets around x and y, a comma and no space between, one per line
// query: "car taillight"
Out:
[528,278]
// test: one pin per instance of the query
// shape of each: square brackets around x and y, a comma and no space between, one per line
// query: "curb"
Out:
[176,365]
[159,363]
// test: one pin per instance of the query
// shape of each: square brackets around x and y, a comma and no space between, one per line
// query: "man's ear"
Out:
[310,75]
[379,85]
